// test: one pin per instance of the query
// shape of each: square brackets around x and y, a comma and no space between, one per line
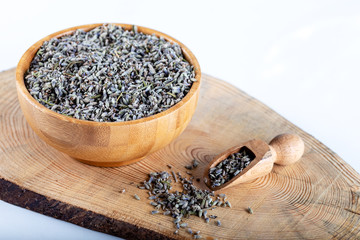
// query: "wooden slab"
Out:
[317,198]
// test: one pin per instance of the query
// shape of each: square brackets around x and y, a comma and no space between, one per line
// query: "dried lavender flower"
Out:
[109,74]
[230,167]
[189,167]
[195,163]
[183,225]
[136,197]
[174,176]
[190,201]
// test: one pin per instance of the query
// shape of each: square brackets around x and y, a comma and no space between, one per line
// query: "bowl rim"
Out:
[28,56]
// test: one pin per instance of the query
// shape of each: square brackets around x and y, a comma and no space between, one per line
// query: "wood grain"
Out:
[315,198]
[107,144]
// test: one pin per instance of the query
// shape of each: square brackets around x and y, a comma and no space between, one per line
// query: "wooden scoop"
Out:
[284,149]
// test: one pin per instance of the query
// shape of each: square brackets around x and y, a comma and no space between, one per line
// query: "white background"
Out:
[300,58]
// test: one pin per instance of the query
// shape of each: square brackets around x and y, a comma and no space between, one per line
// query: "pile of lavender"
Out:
[230,167]
[180,205]
[109,74]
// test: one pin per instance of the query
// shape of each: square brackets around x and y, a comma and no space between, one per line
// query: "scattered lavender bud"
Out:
[195,163]
[174,176]
[183,225]
[179,205]
[189,167]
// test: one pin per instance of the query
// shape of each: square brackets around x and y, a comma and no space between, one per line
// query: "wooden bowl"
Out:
[107,144]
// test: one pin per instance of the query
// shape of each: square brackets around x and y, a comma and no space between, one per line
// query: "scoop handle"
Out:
[287,148]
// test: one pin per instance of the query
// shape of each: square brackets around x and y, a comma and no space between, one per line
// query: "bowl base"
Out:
[109,164]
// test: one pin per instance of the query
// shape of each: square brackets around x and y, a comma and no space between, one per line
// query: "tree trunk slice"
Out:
[316,198]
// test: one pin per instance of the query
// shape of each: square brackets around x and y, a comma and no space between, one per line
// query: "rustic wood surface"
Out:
[315,198]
